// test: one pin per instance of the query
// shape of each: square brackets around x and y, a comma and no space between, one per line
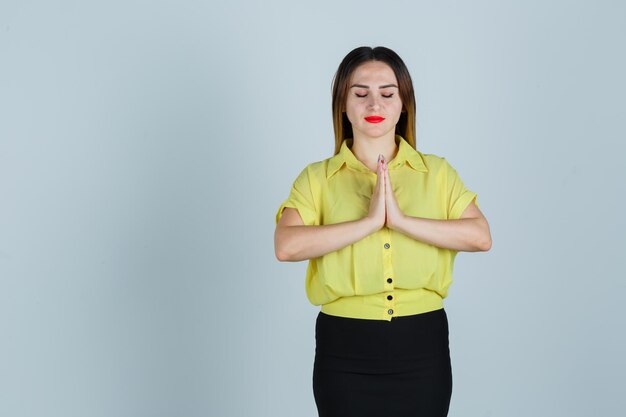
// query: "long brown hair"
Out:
[341,81]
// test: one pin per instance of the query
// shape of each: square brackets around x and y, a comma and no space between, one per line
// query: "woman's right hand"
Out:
[377,203]
[294,241]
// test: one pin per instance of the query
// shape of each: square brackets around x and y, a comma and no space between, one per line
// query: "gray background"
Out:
[144,150]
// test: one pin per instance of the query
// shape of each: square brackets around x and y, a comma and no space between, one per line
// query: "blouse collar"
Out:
[406,153]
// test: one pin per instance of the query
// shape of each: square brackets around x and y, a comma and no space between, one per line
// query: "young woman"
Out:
[380,223]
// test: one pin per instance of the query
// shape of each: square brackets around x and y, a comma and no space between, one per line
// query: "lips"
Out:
[374,119]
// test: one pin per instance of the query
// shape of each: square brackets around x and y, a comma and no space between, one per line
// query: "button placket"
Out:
[388,272]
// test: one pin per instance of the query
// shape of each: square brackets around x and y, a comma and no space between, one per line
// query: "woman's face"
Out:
[373,105]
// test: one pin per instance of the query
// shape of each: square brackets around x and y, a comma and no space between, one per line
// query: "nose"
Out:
[373,102]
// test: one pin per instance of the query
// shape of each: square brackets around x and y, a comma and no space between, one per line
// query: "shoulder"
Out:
[435,163]
[315,172]
[317,167]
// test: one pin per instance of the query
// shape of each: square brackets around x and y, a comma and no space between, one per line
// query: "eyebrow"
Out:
[367,86]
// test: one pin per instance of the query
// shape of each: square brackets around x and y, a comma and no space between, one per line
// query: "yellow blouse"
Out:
[387,273]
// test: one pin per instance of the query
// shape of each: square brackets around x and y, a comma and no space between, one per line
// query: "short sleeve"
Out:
[458,197]
[301,198]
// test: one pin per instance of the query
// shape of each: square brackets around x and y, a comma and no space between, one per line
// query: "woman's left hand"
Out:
[394,215]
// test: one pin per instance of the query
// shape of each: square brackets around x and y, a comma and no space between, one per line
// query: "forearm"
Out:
[297,243]
[470,234]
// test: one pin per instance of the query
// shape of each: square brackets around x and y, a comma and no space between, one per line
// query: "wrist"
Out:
[370,224]
[400,223]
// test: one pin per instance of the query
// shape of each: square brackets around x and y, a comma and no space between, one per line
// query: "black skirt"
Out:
[380,368]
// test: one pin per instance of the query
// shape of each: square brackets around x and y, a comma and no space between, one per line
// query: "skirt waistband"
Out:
[403,338]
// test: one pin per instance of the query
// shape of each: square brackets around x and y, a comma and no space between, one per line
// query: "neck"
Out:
[367,149]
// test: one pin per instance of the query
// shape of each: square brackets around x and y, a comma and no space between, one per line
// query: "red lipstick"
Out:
[374,119]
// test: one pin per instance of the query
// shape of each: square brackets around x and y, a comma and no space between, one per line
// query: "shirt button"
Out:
[390,297]
[390,311]
[387,245]
[389,280]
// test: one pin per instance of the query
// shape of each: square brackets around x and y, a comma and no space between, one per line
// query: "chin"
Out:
[374,132]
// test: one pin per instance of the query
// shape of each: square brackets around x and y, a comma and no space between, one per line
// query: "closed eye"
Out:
[365,95]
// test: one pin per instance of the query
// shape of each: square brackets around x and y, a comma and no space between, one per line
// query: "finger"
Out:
[379,182]
[386,176]
[381,174]
[382,177]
